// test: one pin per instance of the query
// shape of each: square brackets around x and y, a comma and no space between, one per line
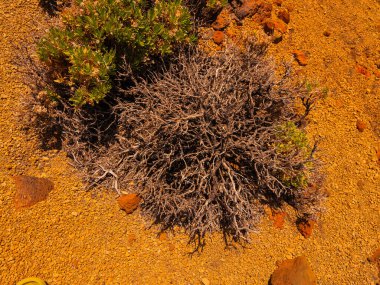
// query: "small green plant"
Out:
[291,139]
[85,50]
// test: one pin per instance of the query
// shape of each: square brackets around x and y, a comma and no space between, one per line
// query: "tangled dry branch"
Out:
[201,141]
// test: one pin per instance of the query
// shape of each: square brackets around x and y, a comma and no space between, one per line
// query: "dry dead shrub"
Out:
[210,140]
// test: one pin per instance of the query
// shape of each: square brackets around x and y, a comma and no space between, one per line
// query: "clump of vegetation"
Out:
[83,52]
[208,142]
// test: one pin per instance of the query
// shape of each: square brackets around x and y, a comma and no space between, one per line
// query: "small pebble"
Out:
[218,37]
[360,125]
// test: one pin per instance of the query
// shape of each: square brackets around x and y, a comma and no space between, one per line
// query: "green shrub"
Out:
[85,50]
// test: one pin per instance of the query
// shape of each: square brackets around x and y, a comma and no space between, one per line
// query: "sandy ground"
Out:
[78,237]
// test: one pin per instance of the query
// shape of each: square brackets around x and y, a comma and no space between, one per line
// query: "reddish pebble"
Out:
[305,227]
[278,219]
[300,56]
[131,238]
[129,202]
[360,125]
[362,70]
[163,236]
[218,37]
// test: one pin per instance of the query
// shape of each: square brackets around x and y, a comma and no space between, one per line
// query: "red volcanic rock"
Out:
[31,190]
[278,219]
[129,202]
[218,37]
[295,271]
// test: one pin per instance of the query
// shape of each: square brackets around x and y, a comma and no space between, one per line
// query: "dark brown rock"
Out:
[264,12]
[248,8]
[31,190]
[295,271]
[269,26]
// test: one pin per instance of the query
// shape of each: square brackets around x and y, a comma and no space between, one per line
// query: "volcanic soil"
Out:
[82,237]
